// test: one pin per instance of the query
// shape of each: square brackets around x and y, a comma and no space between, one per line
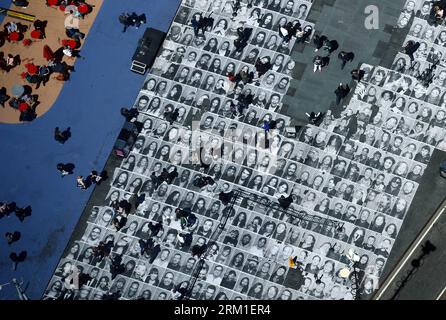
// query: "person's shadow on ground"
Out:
[17,258]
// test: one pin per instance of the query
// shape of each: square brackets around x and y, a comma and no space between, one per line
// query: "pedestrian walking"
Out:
[232,82]
[22,213]
[140,19]
[263,66]
[133,20]
[185,239]
[357,74]
[302,35]
[198,250]
[7,208]
[352,126]
[172,175]
[196,23]
[243,37]
[206,23]
[120,221]
[124,206]
[129,114]
[65,169]
[94,177]
[146,245]
[317,63]
[103,250]
[341,92]
[116,267]
[62,136]
[288,31]
[319,41]
[331,46]
[171,116]
[12,237]
[81,183]
[124,19]
[265,126]
[155,228]
[345,57]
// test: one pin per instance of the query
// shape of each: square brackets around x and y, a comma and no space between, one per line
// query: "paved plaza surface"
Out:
[89,104]
[367,185]
[355,188]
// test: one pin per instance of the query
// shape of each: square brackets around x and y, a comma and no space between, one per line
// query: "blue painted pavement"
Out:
[89,104]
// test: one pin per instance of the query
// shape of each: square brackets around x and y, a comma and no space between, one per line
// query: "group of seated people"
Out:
[26,104]
[82,7]
[9,61]
[12,31]
[15,31]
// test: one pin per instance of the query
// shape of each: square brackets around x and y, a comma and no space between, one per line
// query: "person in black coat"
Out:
[12,237]
[331,46]
[410,49]
[129,114]
[262,66]
[341,92]
[3,96]
[116,266]
[119,221]
[345,57]
[102,250]
[155,228]
[146,245]
[289,31]
[22,213]
[62,136]
[65,168]
[198,250]
[319,41]
[185,240]
[357,74]
[154,252]
[172,116]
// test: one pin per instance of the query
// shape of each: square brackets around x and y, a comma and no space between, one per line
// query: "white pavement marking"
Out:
[441,293]
[411,250]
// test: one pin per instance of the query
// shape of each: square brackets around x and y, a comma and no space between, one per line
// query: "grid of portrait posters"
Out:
[427,104]
[363,177]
